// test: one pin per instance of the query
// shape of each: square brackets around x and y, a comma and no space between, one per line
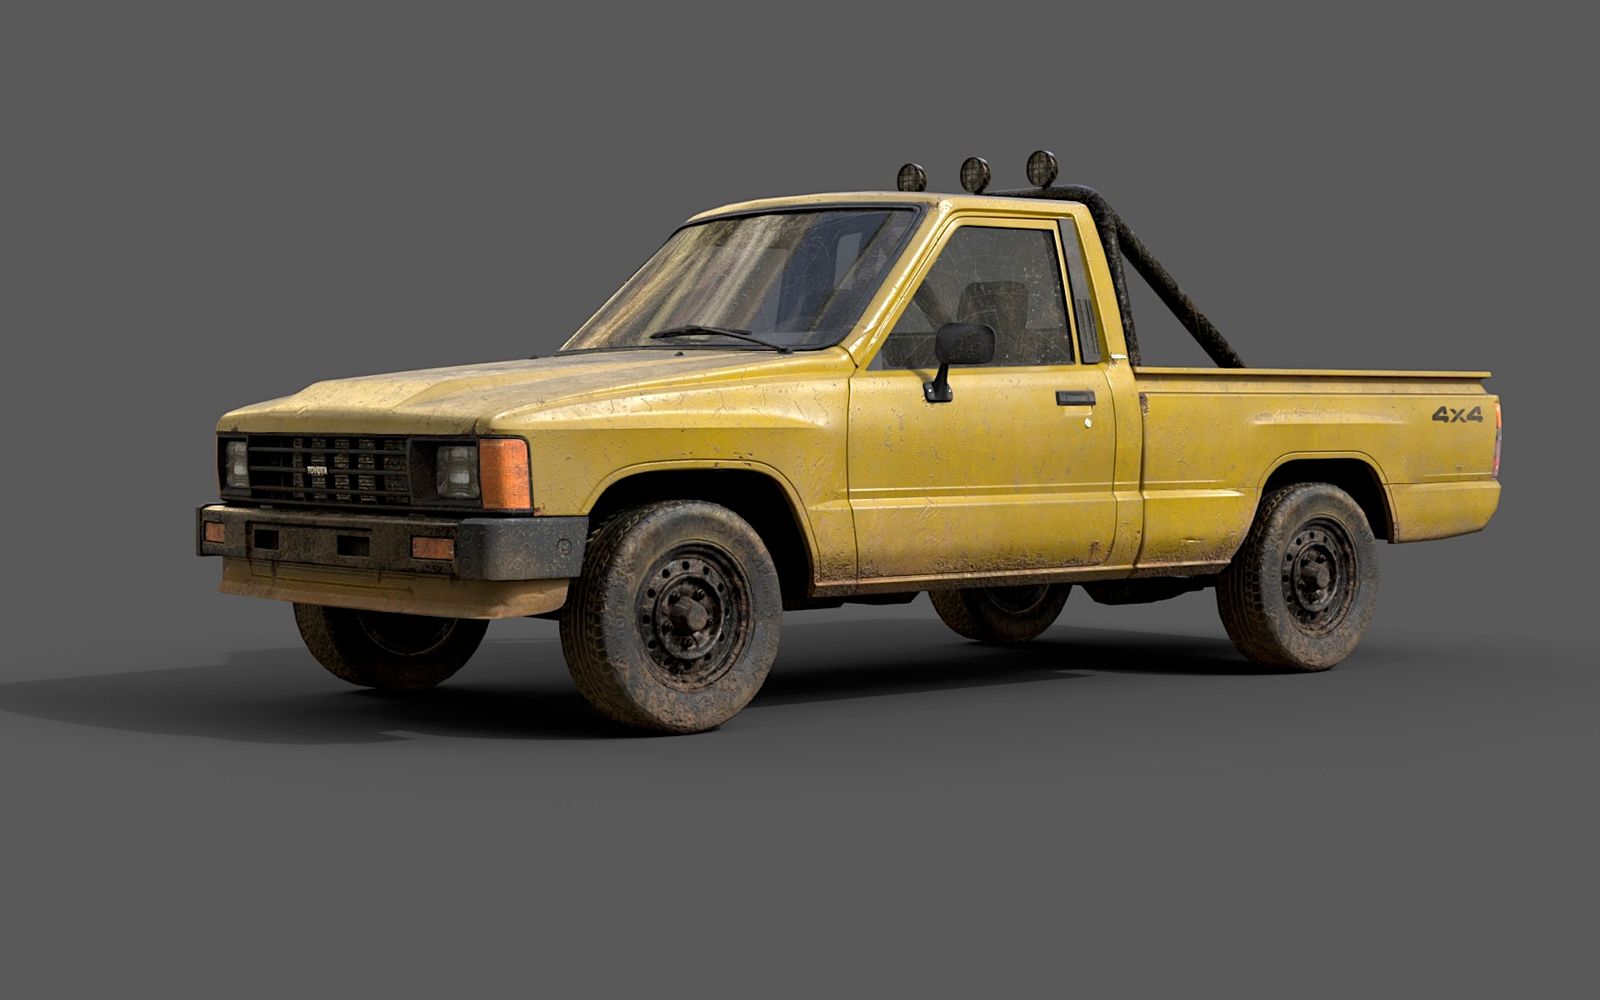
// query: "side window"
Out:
[1082,306]
[1008,279]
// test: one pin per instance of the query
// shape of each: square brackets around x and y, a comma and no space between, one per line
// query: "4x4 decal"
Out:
[1450,415]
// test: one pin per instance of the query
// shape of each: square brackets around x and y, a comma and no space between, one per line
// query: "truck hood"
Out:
[468,399]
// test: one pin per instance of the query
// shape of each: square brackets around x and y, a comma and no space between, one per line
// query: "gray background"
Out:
[206,205]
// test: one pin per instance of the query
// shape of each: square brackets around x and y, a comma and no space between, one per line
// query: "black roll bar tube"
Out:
[1121,244]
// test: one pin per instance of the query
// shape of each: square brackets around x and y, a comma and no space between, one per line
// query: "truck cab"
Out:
[803,401]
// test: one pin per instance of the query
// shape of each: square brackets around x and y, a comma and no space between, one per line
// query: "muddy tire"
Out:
[1300,592]
[1001,614]
[390,652]
[674,623]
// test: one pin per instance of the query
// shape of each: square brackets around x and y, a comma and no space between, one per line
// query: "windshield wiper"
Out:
[692,329]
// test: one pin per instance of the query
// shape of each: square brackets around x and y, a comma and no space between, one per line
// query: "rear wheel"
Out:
[673,624]
[1001,614]
[388,651]
[1301,590]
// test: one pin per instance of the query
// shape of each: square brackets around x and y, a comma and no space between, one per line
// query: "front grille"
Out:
[329,471]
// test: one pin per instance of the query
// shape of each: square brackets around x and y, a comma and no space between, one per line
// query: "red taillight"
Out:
[1497,425]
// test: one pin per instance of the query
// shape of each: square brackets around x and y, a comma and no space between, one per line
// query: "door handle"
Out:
[1073,397]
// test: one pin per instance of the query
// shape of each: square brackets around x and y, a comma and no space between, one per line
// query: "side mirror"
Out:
[957,344]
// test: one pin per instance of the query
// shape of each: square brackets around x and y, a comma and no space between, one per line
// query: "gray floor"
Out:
[898,807]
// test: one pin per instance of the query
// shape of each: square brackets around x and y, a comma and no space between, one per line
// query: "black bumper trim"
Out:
[486,548]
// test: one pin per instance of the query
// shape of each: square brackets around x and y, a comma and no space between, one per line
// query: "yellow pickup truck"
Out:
[805,401]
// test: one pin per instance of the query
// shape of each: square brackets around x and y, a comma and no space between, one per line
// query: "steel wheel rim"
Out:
[404,635]
[693,614]
[1318,575]
[1018,600]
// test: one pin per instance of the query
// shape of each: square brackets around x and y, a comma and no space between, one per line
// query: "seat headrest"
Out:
[1002,305]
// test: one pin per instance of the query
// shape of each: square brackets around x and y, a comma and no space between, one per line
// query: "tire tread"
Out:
[337,640]
[583,619]
[1250,615]
[970,615]
[610,678]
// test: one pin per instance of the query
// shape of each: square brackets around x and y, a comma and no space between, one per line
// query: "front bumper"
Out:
[500,566]
[486,548]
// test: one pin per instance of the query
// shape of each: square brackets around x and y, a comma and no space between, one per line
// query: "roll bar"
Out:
[1121,244]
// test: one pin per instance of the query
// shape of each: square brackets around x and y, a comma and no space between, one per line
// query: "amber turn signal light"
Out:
[503,474]
[432,548]
[216,532]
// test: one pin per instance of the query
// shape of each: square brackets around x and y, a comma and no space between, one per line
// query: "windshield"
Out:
[787,280]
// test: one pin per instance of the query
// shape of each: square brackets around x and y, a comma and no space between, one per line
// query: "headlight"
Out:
[457,472]
[238,465]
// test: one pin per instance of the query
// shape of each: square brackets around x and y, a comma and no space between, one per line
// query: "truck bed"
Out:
[1214,438]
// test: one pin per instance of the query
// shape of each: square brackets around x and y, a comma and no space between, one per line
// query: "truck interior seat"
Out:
[1001,305]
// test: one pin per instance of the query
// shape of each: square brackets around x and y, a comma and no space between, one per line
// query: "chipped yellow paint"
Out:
[1001,485]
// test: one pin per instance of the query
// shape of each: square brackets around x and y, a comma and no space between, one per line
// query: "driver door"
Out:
[1014,474]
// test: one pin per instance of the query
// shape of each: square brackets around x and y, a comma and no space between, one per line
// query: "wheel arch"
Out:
[757,493]
[1355,473]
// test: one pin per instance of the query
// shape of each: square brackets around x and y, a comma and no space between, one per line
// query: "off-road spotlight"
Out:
[1042,168]
[975,174]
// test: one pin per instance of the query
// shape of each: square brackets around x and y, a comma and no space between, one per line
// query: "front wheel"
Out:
[1301,590]
[673,624]
[385,650]
[1001,614]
